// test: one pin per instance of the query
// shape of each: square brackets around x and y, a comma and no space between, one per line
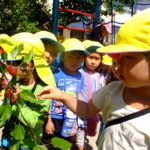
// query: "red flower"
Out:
[8,93]
[1,50]
[12,71]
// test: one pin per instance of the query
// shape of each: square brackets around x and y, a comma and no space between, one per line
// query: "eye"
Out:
[129,56]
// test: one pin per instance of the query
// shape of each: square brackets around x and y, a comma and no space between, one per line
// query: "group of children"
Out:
[81,87]
[80,62]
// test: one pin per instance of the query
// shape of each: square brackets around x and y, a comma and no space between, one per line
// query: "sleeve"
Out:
[102,97]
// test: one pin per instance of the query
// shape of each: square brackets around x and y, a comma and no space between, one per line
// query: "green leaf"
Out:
[28,57]
[4,56]
[15,146]
[40,147]
[18,132]
[61,143]
[4,41]
[5,113]
[28,117]
[28,96]
[3,68]
[17,50]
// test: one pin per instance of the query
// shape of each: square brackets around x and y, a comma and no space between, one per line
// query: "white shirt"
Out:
[130,135]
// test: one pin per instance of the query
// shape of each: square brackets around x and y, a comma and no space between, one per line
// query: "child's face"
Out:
[93,60]
[50,54]
[72,61]
[133,70]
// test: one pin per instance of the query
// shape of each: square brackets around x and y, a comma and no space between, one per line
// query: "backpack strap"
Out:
[128,117]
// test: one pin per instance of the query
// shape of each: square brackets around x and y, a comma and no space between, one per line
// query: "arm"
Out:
[49,128]
[81,108]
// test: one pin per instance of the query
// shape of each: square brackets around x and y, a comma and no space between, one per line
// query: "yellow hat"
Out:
[106,60]
[133,36]
[5,42]
[91,45]
[73,44]
[31,42]
[51,38]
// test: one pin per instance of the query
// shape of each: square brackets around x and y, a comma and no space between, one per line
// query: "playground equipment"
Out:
[133,6]
[56,10]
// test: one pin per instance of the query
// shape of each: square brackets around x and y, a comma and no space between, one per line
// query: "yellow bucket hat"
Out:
[5,42]
[91,45]
[31,42]
[106,60]
[73,44]
[133,36]
[51,38]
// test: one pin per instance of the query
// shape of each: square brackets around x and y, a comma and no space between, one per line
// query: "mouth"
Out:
[92,66]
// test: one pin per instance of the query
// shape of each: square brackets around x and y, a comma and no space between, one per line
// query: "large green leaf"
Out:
[28,117]
[17,50]
[29,56]
[18,132]
[61,143]
[28,96]
[5,113]
[40,147]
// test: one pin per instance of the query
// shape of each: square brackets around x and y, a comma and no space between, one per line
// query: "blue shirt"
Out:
[71,84]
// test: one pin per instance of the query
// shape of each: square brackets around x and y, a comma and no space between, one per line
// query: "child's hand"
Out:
[49,128]
[13,93]
[51,92]
[16,92]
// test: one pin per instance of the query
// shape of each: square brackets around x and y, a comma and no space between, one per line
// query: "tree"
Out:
[22,15]
[65,18]
[32,15]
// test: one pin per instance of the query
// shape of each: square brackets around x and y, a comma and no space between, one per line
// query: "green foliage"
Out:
[28,57]
[21,15]
[39,147]
[18,133]
[16,51]
[28,96]
[32,15]
[61,143]
[5,113]
[29,113]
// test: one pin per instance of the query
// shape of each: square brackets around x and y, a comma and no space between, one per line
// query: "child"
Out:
[52,46]
[93,80]
[52,49]
[126,97]
[102,32]
[68,79]
[32,78]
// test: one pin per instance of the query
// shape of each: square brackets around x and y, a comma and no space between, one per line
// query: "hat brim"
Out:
[81,50]
[44,72]
[93,48]
[121,48]
[58,45]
